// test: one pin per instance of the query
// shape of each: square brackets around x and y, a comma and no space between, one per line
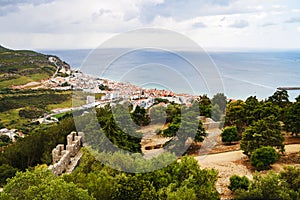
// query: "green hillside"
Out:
[18,67]
[19,107]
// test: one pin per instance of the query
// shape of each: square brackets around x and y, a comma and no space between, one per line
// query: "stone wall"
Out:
[208,123]
[62,157]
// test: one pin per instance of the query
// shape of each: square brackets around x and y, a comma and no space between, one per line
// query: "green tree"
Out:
[230,134]
[41,184]
[268,187]
[238,183]
[221,100]
[205,106]
[158,114]
[5,139]
[250,107]
[116,128]
[291,175]
[297,98]
[37,146]
[263,157]
[292,119]
[6,171]
[140,116]
[264,110]
[265,132]
[216,112]
[236,115]
[179,180]
[280,98]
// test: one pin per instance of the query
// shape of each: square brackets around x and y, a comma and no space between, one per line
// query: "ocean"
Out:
[242,74]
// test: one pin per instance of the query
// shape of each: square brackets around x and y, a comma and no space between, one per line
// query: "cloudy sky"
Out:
[215,24]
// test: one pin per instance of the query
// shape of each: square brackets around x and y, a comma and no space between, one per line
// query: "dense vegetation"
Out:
[238,183]
[93,180]
[19,107]
[259,122]
[41,184]
[284,185]
[37,146]
[38,99]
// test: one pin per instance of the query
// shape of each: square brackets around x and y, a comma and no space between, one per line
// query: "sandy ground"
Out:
[227,159]
[231,163]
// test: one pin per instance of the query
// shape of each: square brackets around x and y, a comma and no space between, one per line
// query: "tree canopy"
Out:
[265,132]
[41,184]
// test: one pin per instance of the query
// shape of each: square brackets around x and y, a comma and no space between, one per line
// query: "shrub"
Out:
[238,183]
[268,186]
[263,157]
[230,134]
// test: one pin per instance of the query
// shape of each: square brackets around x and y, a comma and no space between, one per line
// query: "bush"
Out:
[6,171]
[230,134]
[269,186]
[238,183]
[263,157]
[31,113]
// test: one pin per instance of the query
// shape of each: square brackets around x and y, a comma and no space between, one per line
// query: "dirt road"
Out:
[236,155]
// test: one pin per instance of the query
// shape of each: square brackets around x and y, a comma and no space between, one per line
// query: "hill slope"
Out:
[18,67]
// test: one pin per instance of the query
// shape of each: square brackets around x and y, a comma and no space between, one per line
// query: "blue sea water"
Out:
[256,73]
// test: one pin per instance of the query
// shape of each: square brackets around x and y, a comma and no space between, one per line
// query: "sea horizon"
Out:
[244,73]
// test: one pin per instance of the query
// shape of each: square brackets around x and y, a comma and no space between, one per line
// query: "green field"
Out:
[22,80]
[44,100]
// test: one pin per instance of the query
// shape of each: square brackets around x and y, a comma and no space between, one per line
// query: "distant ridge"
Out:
[2,48]
[19,67]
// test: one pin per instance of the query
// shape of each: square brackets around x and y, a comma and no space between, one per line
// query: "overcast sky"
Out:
[213,24]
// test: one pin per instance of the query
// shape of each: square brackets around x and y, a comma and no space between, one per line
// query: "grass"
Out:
[14,101]
[65,104]
[61,115]
[17,81]
[39,77]
[11,119]
[74,101]
[22,80]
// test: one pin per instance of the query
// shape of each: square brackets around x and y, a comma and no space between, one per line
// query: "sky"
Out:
[213,24]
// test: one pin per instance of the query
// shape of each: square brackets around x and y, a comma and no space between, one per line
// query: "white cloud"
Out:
[268,24]
[239,24]
[279,6]
[293,20]
[77,24]
[199,25]
[295,10]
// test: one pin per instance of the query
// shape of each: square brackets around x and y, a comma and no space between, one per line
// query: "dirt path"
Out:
[229,163]
[236,155]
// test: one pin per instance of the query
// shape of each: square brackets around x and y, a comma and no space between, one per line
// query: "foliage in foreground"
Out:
[179,180]
[37,146]
[238,183]
[41,184]
[270,186]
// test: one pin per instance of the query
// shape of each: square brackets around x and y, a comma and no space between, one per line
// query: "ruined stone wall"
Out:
[208,123]
[62,157]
